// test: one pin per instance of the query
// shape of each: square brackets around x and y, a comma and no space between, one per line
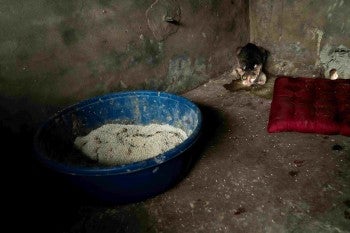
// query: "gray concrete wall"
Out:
[306,38]
[63,51]
[54,53]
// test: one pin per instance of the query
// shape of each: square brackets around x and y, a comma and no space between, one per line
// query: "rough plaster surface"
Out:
[297,33]
[244,181]
[336,58]
[252,181]
[63,51]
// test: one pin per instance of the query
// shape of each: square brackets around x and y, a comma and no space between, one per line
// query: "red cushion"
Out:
[310,105]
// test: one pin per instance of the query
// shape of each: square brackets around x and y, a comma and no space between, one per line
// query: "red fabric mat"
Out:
[310,105]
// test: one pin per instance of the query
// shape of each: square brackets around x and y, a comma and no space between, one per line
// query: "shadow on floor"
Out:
[213,123]
[264,91]
[39,200]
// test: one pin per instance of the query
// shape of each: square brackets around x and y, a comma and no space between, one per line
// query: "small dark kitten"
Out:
[251,60]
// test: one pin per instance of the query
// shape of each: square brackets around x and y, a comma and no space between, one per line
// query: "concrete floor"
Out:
[246,180]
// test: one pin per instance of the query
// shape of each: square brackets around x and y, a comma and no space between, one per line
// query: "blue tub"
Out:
[53,144]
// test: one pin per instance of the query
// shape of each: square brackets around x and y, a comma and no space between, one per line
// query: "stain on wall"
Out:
[59,52]
[300,34]
[332,57]
[64,51]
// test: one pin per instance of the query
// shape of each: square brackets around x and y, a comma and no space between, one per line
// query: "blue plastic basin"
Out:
[53,144]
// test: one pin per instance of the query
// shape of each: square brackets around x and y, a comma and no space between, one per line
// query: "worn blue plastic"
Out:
[126,183]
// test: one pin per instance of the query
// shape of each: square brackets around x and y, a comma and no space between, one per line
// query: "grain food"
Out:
[117,144]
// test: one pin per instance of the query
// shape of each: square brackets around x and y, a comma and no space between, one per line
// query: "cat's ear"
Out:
[238,50]
[265,53]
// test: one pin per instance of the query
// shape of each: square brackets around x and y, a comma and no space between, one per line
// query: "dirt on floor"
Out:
[246,180]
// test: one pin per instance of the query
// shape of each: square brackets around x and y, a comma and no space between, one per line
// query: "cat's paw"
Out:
[261,79]
[246,82]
